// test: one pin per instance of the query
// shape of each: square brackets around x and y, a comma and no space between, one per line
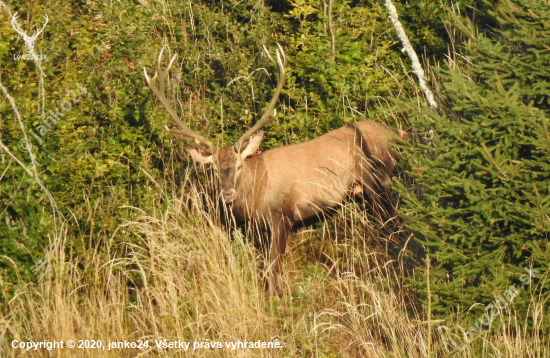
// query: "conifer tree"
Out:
[480,202]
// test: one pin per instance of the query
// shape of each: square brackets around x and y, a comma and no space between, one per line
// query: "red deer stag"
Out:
[281,187]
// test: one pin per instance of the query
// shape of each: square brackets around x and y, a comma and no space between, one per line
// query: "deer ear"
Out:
[200,156]
[253,144]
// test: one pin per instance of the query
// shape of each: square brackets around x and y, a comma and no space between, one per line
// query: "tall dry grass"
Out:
[185,278]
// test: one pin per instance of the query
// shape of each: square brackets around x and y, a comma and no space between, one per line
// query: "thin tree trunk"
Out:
[417,67]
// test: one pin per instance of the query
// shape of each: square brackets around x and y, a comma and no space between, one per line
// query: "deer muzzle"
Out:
[228,195]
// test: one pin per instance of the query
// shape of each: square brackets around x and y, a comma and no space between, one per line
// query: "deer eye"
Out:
[239,166]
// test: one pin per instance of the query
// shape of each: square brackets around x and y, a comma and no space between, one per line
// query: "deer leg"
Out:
[279,234]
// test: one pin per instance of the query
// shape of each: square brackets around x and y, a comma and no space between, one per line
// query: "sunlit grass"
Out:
[185,278]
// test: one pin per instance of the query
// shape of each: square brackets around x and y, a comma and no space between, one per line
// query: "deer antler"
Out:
[43,27]
[16,27]
[268,114]
[159,78]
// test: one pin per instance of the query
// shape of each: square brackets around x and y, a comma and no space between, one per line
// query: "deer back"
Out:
[301,180]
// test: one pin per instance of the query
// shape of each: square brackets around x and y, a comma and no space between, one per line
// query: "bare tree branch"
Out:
[417,67]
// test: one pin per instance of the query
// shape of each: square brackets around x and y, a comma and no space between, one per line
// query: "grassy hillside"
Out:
[108,233]
[182,279]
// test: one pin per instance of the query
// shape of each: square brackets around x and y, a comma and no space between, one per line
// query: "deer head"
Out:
[228,162]
[29,40]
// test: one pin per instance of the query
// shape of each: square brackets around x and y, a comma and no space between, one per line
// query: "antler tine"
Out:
[162,73]
[35,34]
[158,91]
[16,26]
[43,27]
[268,114]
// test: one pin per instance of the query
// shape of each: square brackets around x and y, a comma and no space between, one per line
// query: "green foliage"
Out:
[109,151]
[90,150]
[326,90]
[482,172]
[427,22]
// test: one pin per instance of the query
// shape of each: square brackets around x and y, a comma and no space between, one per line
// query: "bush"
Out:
[109,151]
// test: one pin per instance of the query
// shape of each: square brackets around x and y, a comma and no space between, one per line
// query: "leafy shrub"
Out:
[109,151]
